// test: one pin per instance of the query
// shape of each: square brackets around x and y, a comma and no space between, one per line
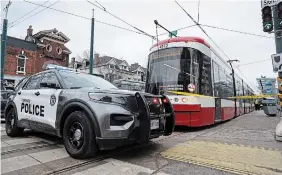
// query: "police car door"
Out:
[24,99]
[47,98]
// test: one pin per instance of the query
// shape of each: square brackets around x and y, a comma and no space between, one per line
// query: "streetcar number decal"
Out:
[163,46]
[268,3]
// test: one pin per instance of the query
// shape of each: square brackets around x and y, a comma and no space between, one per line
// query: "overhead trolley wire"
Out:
[104,9]
[201,29]
[34,13]
[207,36]
[254,62]
[236,31]
[179,29]
[83,17]
[28,13]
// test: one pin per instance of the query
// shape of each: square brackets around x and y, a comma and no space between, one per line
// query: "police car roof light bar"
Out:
[53,66]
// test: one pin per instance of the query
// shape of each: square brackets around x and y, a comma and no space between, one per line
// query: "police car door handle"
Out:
[37,93]
[20,93]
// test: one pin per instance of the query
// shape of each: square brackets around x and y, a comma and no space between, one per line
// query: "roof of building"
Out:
[105,59]
[135,66]
[20,43]
[52,33]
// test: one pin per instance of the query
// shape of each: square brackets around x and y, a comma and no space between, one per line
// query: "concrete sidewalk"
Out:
[244,145]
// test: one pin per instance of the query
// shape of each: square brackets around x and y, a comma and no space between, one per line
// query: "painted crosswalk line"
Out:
[239,159]
[117,167]
[50,155]
[17,163]
[18,141]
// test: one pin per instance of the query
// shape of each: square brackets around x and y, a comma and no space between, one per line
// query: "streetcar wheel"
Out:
[79,137]
[12,129]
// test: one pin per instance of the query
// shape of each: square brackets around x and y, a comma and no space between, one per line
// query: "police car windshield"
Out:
[75,80]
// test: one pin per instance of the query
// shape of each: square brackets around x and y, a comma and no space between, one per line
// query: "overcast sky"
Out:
[237,15]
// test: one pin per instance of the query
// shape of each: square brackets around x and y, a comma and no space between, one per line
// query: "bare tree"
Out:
[78,58]
[86,54]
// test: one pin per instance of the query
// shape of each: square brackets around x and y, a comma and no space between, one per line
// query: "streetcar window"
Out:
[174,69]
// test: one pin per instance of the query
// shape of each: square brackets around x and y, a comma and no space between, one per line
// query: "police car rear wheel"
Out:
[12,129]
[79,136]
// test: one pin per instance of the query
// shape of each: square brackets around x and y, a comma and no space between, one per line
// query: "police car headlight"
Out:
[110,98]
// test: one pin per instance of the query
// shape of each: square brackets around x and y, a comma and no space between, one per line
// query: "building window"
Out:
[111,66]
[59,50]
[49,48]
[21,62]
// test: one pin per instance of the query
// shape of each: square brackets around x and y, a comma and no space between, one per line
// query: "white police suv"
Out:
[88,112]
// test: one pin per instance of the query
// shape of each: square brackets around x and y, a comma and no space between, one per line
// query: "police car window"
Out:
[51,79]
[20,83]
[78,80]
[33,82]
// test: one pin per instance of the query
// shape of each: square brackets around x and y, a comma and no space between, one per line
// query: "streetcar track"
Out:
[111,154]
[42,145]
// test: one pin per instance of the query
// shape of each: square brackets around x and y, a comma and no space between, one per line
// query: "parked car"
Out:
[6,92]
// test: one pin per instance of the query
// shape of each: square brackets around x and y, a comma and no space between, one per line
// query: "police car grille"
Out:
[131,104]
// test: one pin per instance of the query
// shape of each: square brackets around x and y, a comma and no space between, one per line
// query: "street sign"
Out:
[173,33]
[276,62]
[269,2]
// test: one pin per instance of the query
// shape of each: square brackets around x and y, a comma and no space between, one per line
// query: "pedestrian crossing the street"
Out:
[31,155]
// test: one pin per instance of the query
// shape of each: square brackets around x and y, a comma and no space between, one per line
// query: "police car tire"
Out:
[15,131]
[89,147]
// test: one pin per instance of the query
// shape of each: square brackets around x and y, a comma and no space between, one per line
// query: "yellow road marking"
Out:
[228,157]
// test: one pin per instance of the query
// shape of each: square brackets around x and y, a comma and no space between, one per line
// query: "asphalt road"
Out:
[244,145]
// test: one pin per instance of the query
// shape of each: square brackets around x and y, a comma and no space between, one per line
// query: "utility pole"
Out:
[3,40]
[92,44]
[273,19]
[277,27]
[234,83]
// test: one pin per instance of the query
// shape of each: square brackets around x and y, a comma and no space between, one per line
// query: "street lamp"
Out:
[234,84]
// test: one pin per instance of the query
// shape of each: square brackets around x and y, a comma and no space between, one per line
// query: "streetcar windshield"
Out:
[179,69]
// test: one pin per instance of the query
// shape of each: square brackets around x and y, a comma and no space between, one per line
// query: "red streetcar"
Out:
[197,81]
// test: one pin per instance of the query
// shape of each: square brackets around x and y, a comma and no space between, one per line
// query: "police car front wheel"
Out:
[79,137]
[12,129]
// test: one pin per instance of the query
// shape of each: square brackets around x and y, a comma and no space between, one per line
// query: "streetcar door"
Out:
[217,117]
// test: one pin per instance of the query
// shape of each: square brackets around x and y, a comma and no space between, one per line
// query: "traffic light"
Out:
[279,11]
[267,19]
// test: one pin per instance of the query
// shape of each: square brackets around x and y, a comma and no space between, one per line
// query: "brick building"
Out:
[31,55]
